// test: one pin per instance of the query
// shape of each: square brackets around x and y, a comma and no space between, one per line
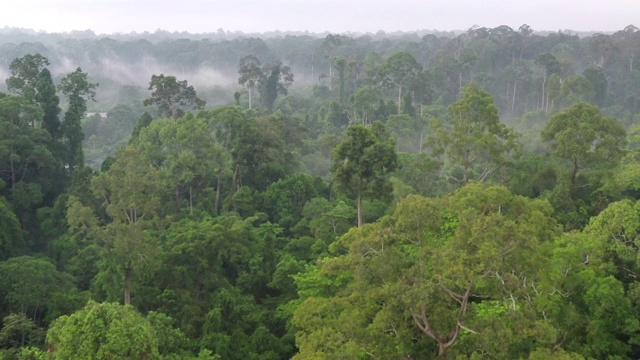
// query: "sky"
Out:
[336,16]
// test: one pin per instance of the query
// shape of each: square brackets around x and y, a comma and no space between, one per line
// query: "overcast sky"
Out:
[338,16]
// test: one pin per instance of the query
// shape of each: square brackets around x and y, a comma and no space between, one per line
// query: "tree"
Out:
[399,70]
[439,277]
[186,154]
[629,40]
[599,85]
[475,143]
[601,46]
[172,96]
[49,102]
[276,79]
[586,138]
[25,72]
[341,66]
[102,331]
[329,45]
[131,191]
[29,285]
[11,235]
[251,75]
[144,121]
[361,106]
[361,162]
[550,66]
[78,90]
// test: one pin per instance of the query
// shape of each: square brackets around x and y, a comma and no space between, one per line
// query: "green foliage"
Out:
[47,99]
[206,224]
[30,284]
[185,154]
[25,72]
[78,90]
[103,331]
[172,96]
[590,145]
[11,235]
[18,331]
[476,143]
[400,70]
[276,79]
[423,273]
[361,163]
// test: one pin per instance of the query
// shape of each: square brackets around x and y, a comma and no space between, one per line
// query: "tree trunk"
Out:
[127,289]
[399,99]
[127,296]
[234,185]
[218,189]
[544,80]
[513,100]
[250,91]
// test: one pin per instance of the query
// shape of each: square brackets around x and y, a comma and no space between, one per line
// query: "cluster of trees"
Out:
[371,214]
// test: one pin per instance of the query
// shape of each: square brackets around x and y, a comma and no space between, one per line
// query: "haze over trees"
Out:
[305,196]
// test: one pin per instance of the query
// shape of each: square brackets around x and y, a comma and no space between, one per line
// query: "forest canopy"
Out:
[307,196]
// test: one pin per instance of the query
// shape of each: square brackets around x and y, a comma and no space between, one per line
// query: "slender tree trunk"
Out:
[399,99]
[544,80]
[218,189]
[127,289]
[190,200]
[250,93]
[513,100]
[234,185]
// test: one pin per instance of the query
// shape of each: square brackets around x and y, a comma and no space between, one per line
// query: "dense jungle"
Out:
[407,195]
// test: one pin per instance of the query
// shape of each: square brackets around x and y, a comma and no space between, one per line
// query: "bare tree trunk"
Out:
[544,80]
[513,100]
[127,289]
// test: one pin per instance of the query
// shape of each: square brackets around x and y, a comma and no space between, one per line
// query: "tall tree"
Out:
[629,40]
[476,143]
[25,72]
[550,66]
[251,74]
[341,66]
[49,102]
[78,90]
[277,78]
[172,96]
[361,162]
[186,154]
[399,70]
[131,191]
[437,278]
[585,138]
